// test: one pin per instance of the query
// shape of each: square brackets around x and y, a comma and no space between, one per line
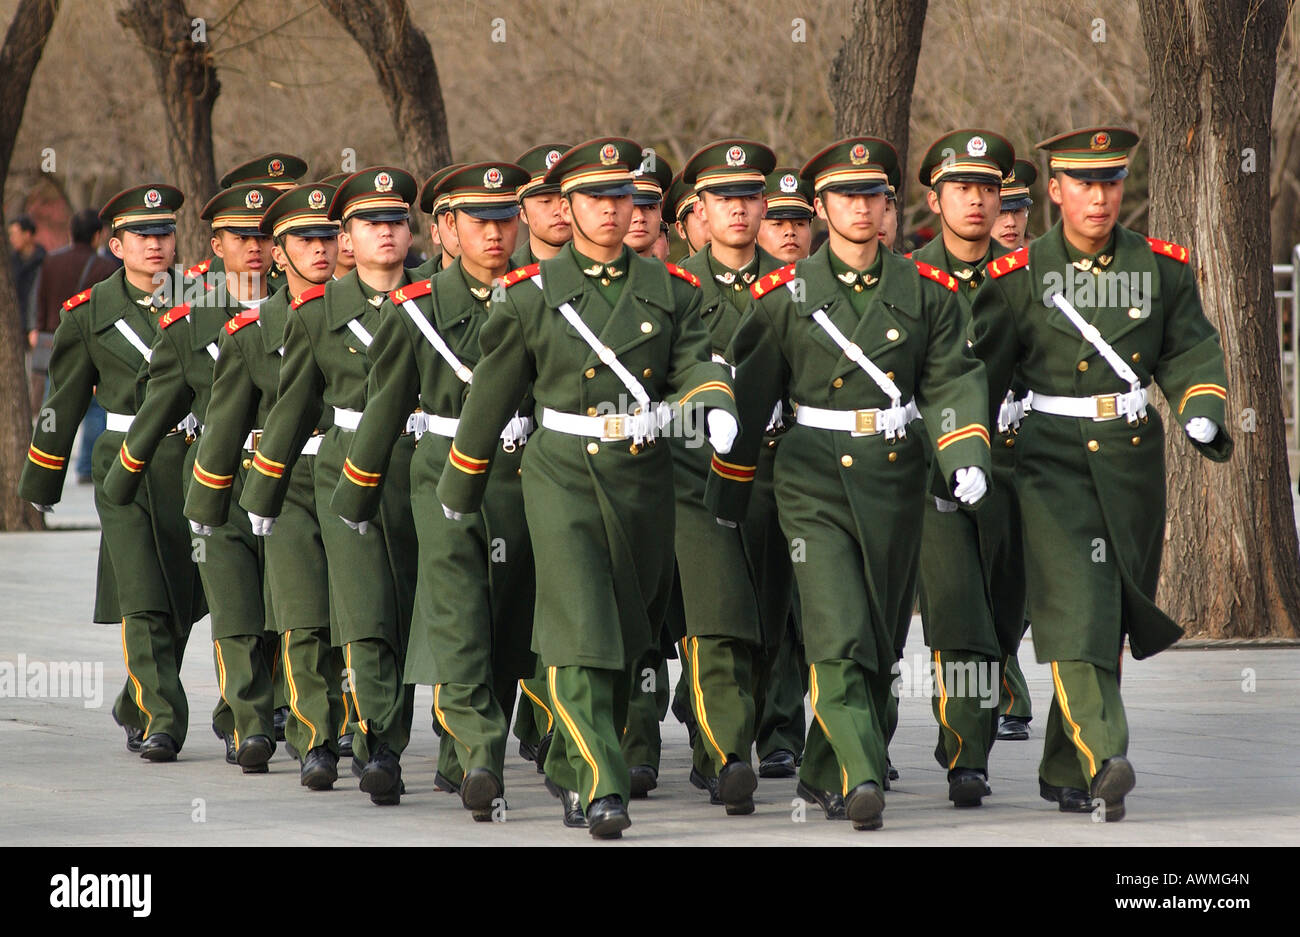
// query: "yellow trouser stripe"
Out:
[1078,733]
[943,708]
[577,736]
[293,693]
[550,720]
[442,717]
[814,691]
[702,714]
[352,678]
[1007,687]
[139,691]
[221,682]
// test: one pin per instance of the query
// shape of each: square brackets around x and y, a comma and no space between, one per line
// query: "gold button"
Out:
[591,411]
[351,350]
[1135,440]
[838,382]
[1011,441]
[1137,356]
[592,448]
[248,463]
[846,460]
[647,327]
[889,374]
[604,281]
[857,287]
[590,372]
[519,471]
[1083,365]
[634,448]
[648,372]
[738,287]
[1093,445]
[893,457]
[1135,313]
[892,335]
[771,444]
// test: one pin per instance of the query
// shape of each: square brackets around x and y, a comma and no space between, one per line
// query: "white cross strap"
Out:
[439,345]
[129,334]
[858,357]
[1135,400]
[212,350]
[360,332]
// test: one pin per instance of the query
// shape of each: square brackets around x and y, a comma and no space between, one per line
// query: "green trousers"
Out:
[153,698]
[681,704]
[1014,700]
[722,698]
[315,701]
[1086,724]
[533,717]
[244,679]
[646,707]
[779,691]
[383,704]
[846,740]
[473,725]
[590,712]
[966,686]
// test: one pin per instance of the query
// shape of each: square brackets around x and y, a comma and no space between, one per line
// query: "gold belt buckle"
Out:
[615,426]
[1106,406]
[256,439]
[865,421]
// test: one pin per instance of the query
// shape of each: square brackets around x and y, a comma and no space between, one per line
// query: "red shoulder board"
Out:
[73,302]
[199,269]
[241,320]
[312,292]
[523,273]
[1169,249]
[1016,260]
[174,314]
[681,274]
[770,281]
[908,255]
[941,277]
[411,291]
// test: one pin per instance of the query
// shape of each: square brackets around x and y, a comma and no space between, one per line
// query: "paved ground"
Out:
[1212,739]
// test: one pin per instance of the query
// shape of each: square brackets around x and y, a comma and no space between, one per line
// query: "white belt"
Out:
[121,423]
[310,447]
[638,427]
[1099,407]
[514,435]
[351,419]
[891,421]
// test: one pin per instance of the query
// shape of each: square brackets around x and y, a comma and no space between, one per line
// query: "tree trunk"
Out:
[874,71]
[1285,181]
[187,82]
[23,45]
[402,58]
[1230,566]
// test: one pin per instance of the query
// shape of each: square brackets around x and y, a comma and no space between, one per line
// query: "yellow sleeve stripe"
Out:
[467,464]
[45,460]
[210,479]
[268,467]
[969,431]
[721,386]
[358,477]
[731,471]
[1200,390]
[128,462]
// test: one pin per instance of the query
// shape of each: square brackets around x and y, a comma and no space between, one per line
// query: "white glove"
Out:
[261,525]
[360,527]
[1202,429]
[452,515]
[43,508]
[722,431]
[203,530]
[722,521]
[971,484]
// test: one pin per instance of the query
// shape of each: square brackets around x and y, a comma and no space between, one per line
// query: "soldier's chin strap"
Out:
[279,242]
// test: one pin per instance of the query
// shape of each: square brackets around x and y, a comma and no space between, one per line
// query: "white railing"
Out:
[1288,339]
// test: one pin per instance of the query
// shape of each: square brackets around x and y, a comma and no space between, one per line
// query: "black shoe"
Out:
[159,747]
[231,758]
[891,773]
[527,750]
[779,764]
[254,753]
[543,747]
[345,746]
[574,818]
[357,767]
[644,780]
[280,718]
[1013,729]
[479,793]
[382,776]
[736,785]
[706,784]
[320,769]
[1115,779]
[607,817]
[134,737]
[865,805]
[444,784]
[1070,799]
[831,802]
[966,787]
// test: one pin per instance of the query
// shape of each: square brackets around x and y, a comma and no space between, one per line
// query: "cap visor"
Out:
[859,188]
[735,189]
[1016,204]
[608,191]
[1098,175]
[987,178]
[323,231]
[383,214]
[148,229]
[249,232]
[490,212]
[782,214]
[643,199]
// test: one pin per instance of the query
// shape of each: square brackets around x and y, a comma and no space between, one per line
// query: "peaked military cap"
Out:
[302,211]
[429,202]
[853,166]
[788,196]
[239,209]
[967,156]
[680,198]
[1097,154]
[335,179]
[730,167]
[483,190]
[1015,187]
[536,162]
[377,193]
[144,209]
[598,167]
[278,170]
[652,178]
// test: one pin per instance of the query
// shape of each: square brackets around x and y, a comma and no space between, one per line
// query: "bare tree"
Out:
[402,59]
[1285,183]
[1231,553]
[19,56]
[181,58]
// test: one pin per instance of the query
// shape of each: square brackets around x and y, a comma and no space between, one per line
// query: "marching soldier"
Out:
[440,231]
[786,232]
[245,384]
[680,203]
[1087,316]
[539,208]
[181,366]
[596,487]
[345,263]
[859,341]
[473,622]
[972,583]
[146,577]
[326,363]
[648,204]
